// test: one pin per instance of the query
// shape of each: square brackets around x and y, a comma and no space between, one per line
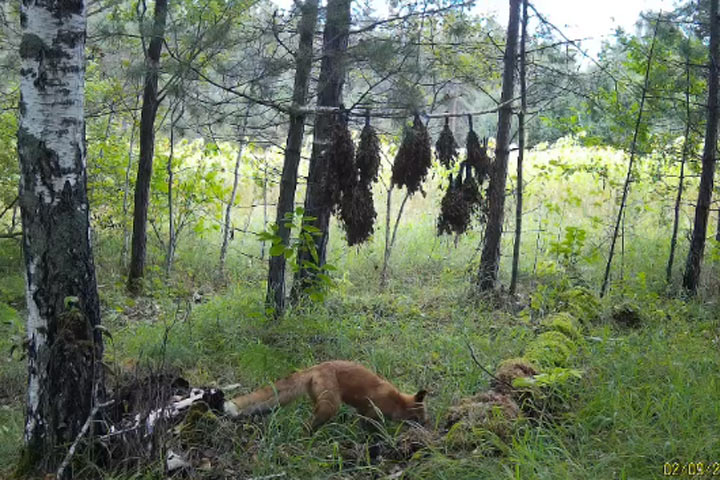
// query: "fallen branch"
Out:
[477,362]
[269,477]
[168,412]
[83,432]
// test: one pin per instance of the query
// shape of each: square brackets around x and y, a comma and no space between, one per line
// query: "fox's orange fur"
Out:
[328,385]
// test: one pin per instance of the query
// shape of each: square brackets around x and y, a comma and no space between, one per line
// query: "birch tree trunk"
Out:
[64,348]
[147,148]
[330,85]
[288,181]
[702,207]
[490,258]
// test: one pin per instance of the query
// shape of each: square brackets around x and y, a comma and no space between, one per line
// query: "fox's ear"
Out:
[420,396]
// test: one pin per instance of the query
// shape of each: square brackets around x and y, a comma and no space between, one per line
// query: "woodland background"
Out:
[613,151]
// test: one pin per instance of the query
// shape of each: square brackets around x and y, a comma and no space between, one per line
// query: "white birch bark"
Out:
[61,289]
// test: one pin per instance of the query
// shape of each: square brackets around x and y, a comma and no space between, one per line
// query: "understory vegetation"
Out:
[631,379]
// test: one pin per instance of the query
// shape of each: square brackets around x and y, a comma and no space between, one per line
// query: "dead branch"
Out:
[481,367]
[83,432]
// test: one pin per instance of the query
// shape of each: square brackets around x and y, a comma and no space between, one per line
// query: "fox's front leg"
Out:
[325,396]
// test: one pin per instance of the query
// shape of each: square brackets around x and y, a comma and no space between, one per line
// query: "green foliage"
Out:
[8,158]
[577,301]
[303,241]
[550,349]
[564,323]
[551,378]
[628,313]
[484,437]
[570,247]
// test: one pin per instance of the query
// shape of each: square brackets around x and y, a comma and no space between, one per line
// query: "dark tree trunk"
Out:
[490,259]
[64,348]
[288,181]
[330,84]
[147,148]
[678,198]
[521,154]
[702,208]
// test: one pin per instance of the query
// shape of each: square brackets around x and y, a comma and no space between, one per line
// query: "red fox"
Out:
[328,384]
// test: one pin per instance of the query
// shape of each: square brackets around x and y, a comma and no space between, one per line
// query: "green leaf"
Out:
[266,236]
[277,250]
[313,253]
[325,279]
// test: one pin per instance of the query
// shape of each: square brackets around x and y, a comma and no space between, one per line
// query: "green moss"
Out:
[485,430]
[550,349]
[581,303]
[564,323]
[628,314]
[510,370]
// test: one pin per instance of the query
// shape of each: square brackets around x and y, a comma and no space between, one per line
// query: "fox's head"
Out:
[415,407]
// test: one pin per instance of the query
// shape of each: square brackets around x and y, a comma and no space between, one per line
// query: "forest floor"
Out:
[647,394]
[636,390]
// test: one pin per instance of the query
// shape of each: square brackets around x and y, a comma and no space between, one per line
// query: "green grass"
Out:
[647,396]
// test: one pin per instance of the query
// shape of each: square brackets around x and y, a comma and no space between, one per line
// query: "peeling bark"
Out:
[64,347]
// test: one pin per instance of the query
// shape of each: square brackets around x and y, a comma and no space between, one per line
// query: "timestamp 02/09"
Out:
[691,469]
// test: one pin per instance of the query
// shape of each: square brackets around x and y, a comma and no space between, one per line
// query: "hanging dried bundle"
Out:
[367,157]
[446,146]
[413,158]
[341,173]
[357,213]
[462,201]
[477,156]
[455,211]
[471,194]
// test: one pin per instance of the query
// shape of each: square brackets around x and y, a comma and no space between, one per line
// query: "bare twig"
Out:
[83,432]
[633,148]
[10,205]
[481,367]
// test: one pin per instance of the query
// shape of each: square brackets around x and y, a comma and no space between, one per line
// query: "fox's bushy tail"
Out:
[265,399]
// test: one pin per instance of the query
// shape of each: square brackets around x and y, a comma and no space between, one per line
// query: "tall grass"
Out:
[648,396]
